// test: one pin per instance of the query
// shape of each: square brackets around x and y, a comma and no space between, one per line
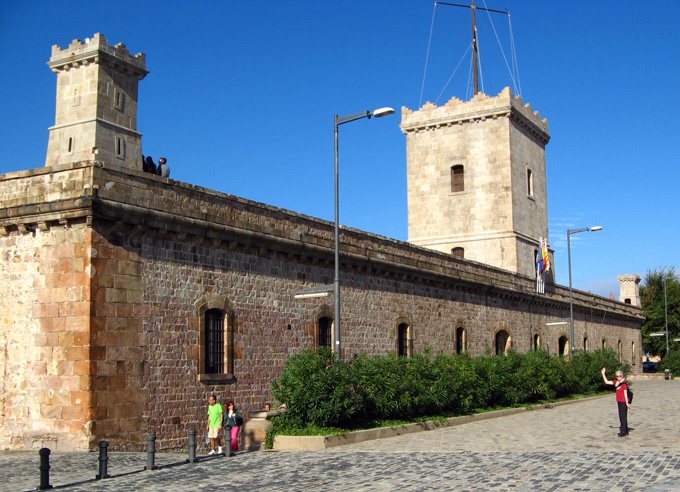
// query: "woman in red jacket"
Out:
[621,399]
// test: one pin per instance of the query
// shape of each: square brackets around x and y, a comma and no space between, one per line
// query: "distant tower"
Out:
[477,180]
[630,289]
[96,117]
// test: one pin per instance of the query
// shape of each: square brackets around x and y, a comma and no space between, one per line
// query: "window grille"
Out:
[214,341]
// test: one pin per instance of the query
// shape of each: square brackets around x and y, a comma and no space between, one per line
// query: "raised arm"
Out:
[604,376]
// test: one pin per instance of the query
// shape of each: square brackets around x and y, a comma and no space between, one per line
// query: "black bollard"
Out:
[150,451]
[192,446]
[44,469]
[103,460]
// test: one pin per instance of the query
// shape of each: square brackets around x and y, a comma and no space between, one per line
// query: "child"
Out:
[214,425]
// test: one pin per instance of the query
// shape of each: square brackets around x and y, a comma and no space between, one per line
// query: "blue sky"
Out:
[241,97]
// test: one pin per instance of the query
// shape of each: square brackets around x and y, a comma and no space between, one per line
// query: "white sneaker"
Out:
[219,450]
[211,452]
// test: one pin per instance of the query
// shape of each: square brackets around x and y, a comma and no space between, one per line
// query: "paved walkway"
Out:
[571,447]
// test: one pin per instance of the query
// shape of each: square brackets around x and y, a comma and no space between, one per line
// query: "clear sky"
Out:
[241,96]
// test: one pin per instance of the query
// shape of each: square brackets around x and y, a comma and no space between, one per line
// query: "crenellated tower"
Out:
[477,179]
[96,111]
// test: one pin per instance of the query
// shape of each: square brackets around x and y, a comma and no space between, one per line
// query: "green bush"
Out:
[671,362]
[322,392]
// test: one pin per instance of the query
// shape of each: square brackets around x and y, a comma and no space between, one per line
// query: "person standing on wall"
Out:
[214,425]
[622,400]
[163,168]
[234,420]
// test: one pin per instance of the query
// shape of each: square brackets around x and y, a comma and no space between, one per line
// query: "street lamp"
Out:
[665,302]
[571,297]
[378,113]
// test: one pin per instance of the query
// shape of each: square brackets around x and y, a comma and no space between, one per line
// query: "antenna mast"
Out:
[475,51]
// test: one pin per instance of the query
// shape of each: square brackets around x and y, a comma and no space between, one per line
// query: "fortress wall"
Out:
[102,294]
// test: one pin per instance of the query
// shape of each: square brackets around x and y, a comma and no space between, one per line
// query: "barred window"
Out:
[325,324]
[214,341]
[403,340]
[461,340]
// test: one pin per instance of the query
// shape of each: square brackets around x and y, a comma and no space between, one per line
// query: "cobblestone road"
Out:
[571,447]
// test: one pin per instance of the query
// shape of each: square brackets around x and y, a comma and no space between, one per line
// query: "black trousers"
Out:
[623,416]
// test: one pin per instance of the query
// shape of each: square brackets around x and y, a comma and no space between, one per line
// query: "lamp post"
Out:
[571,297]
[341,120]
[665,302]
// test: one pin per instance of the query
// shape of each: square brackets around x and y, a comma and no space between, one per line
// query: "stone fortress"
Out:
[128,298]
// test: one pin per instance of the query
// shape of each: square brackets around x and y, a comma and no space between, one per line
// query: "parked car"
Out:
[649,366]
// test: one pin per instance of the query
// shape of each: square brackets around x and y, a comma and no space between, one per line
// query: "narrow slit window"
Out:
[530,183]
[120,148]
[457,178]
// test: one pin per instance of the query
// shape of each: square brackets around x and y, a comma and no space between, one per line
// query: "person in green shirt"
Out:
[214,425]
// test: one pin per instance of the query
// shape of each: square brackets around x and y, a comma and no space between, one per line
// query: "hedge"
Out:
[321,391]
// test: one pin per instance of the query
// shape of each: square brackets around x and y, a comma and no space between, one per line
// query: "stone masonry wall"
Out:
[117,270]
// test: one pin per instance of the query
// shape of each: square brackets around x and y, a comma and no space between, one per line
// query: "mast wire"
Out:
[427,57]
[514,56]
[455,70]
[493,26]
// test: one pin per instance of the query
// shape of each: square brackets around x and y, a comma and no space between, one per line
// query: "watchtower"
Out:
[477,179]
[96,115]
[630,289]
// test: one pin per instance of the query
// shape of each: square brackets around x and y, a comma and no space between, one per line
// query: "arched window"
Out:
[537,341]
[619,350]
[457,178]
[458,252]
[402,342]
[632,354]
[563,345]
[214,320]
[626,301]
[325,324]
[530,183]
[502,342]
[461,340]
[585,344]
[214,341]
[604,343]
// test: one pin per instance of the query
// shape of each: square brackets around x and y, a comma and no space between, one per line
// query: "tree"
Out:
[654,307]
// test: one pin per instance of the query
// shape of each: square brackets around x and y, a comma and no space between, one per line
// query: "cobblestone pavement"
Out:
[571,447]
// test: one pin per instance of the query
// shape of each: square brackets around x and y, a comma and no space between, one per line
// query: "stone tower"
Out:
[96,116]
[477,180]
[630,289]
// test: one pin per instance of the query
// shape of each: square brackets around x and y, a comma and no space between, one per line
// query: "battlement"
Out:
[97,50]
[478,108]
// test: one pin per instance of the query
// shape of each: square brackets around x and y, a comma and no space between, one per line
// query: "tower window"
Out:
[69,147]
[118,99]
[458,252]
[457,178]
[120,148]
[530,183]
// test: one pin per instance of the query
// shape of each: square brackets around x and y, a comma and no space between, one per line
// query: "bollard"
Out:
[227,441]
[667,374]
[44,469]
[150,451]
[192,446]
[103,460]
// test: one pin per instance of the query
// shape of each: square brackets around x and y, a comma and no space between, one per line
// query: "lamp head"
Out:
[379,113]
[596,228]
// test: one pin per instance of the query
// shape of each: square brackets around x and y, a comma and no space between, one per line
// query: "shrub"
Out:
[671,362]
[321,391]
